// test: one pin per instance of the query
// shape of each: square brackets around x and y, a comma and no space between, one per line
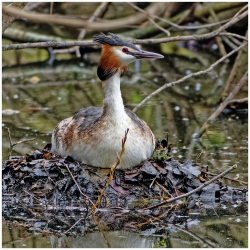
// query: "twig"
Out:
[35,198]
[202,72]
[180,27]
[100,9]
[84,195]
[94,44]
[149,18]
[153,180]
[239,100]
[12,145]
[51,8]
[163,188]
[8,19]
[100,229]
[228,178]
[107,184]
[149,221]
[78,23]
[193,191]
[193,235]
[112,170]
[74,225]
[223,105]
[49,44]
[217,32]
[159,27]
[75,49]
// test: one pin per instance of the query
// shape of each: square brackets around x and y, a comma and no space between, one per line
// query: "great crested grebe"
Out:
[93,135]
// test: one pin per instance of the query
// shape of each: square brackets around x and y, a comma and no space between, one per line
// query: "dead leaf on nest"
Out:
[189,170]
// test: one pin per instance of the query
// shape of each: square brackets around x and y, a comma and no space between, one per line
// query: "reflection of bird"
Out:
[94,135]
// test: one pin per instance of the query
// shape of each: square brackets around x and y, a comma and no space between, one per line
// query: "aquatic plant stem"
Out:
[193,191]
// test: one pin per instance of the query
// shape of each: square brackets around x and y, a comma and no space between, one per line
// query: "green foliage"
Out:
[160,154]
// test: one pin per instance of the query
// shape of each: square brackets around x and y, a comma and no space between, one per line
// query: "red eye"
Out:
[125,50]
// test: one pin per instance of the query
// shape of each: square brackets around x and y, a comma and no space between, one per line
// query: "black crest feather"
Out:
[114,40]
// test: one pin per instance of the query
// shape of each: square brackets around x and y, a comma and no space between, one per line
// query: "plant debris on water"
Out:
[50,194]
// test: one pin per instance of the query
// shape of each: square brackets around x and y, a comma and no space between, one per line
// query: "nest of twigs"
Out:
[56,191]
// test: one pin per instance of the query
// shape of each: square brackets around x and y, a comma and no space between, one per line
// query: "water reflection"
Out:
[204,231]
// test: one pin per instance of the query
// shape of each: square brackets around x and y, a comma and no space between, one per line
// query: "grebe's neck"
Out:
[113,103]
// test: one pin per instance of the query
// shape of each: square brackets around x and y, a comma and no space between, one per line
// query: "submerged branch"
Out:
[193,191]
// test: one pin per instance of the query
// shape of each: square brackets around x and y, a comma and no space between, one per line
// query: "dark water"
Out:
[37,96]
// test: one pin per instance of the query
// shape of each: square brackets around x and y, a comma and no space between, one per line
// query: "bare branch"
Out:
[8,19]
[217,32]
[112,170]
[180,27]
[78,23]
[49,44]
[84,195]
[193,191]
[76,49]
[12,145]
[239,100]
[223,105]
[167,85]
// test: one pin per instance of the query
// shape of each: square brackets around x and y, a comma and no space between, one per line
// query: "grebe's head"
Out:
[117,54]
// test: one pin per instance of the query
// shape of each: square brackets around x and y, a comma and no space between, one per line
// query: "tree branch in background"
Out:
[101,8]
[167,85]
[217,32]
[223,105]
[181,27]
[239,100]
[110,25]
[7,19]
[92,44]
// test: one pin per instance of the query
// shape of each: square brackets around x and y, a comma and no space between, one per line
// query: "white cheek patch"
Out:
[124,58]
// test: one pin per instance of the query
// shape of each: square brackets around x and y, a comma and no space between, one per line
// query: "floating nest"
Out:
[53,195]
